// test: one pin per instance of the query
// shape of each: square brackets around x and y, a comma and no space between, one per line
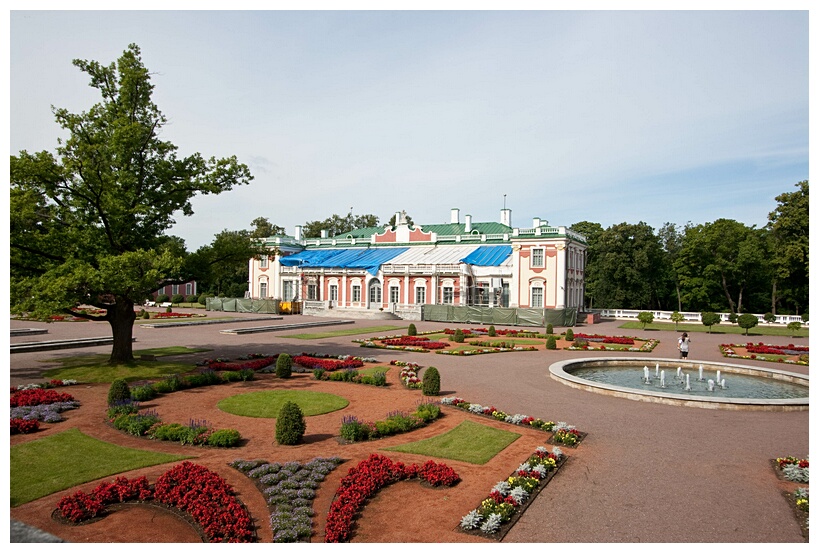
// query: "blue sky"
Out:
[603,116]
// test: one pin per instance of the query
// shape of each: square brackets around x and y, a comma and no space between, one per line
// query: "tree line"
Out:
[722,266]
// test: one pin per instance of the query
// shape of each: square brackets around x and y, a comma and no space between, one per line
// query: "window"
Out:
[356,292]
[312,291]
[375,292]
[263,262]
[537,296]
[394,291]
[420,295]
[289,291]
[175,289]
[448,294]
[188,289]
[537,257]
[334,292]
[263,289]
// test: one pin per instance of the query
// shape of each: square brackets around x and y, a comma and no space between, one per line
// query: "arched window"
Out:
[375,292]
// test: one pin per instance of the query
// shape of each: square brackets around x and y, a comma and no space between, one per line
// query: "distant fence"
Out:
[511,316]
[690,317]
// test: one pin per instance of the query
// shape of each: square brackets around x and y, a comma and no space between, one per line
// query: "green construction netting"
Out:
[242,305]
[499,315]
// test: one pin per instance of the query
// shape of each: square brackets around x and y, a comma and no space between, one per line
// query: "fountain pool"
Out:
[687,382]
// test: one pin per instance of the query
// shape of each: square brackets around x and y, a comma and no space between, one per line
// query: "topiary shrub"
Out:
[491,331]
[169,309]
[203,299]
[290,424]
[569,335]
[411,330]
[769,317]
[550,329]
[431,382]
[178,298]
[162,298]
[146,315]
[284,366]
[551,343]
[119,392]
[458,337]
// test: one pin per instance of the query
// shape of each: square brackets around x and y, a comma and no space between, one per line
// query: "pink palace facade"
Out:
[400,268]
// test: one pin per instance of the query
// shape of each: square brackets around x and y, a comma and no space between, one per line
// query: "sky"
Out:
[602,116]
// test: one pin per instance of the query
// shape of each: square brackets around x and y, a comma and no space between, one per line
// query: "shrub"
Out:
[226,437]
[551,343]
[284,366]
[732,318]
[794,327]
[491,331]
[769,317]
[145,392]
[411,330]
[203,299]
[168,310]
[318,373]
[676,318]
[162,298]
[136,424]
[177,298]
[119,392]
[428,412]
[580,343]
[645,317]
[747,321]
[569,335]
[458,336]
[379,378]
[709,319]
[290,426]
[431,382]
[173,432]
[550,329]
[146,315]
[353,430]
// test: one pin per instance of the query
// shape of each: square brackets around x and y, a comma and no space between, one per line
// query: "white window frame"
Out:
[263,262]
[375,289]
[538,257]
[263,289]
[356,293]
[395,294]
[334,292]
[536,293]
[420,294]
[448,294]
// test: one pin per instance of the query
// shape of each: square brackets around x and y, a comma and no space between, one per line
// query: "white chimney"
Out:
[506,217]
[454,217]
[298,232]
[324,233]
[536,222]
[468,223]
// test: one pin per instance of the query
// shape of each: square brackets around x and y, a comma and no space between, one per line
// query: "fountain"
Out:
[751,387]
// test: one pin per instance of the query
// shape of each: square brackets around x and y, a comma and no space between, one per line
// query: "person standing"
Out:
[683,345]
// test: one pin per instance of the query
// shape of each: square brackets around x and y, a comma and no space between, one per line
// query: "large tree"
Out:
[336,225]
[88,225]
[592,232]
[789,226]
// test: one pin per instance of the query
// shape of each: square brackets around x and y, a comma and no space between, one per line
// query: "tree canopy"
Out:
[336,225]
[88,224]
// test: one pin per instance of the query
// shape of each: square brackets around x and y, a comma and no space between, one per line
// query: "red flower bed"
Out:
[761,348]
[23,426]
[310,362]
[83,506]
[365,479]
[415,341]
[37,396]
[192,488]
[208,499]
[604,339]
[172,315]
[253,364]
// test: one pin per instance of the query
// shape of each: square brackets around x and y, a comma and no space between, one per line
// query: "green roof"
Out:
[455,229]
[361,232]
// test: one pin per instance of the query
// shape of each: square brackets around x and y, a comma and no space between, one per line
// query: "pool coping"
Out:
[559,372]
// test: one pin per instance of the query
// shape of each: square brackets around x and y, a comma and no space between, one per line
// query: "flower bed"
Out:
[289,490]
[615,343]
[127,418]
[24,426]
[254,364]
[327,364]
[397,422]
[605,339]
[191,488]
[38,396]
[498,332]
[173,315]
[409,374]
[415,341]
[509,498]
[791,354]
[31,403]
[793,469]
[564,434]
[481,349]
[365,480]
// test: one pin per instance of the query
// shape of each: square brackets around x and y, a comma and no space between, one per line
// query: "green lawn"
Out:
[469,441]
[370,371]
[266,404]
[70,458]
[345,332]
[722,328]
[95,368]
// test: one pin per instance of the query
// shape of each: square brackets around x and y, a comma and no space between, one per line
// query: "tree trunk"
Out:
[121,317]
[727,294]
[679,297]
[773,298]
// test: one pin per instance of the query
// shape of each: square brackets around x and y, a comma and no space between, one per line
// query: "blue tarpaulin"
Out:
[370,259]
[488,256]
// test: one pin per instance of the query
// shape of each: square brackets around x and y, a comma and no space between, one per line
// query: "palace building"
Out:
[401,268]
